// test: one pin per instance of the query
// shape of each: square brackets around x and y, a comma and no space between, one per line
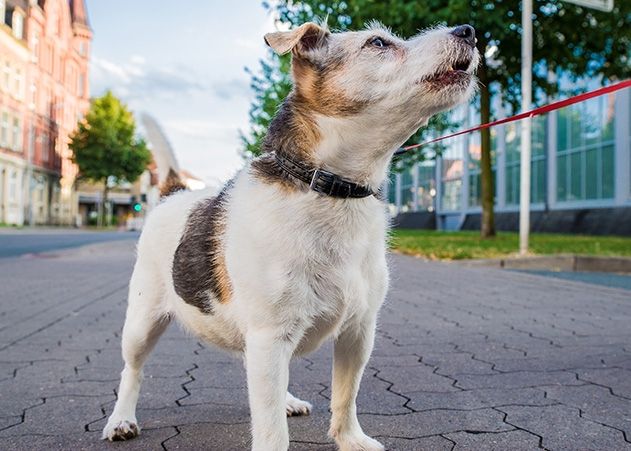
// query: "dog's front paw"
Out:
[358,443]
[297,407]
[120,430]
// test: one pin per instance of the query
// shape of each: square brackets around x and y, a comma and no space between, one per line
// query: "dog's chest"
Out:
[326,250]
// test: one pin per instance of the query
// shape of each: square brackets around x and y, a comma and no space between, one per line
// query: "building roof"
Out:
[79,13]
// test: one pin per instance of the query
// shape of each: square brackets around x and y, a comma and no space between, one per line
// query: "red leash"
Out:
[535,112]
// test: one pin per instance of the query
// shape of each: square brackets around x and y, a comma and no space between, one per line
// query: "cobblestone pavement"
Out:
[466,358]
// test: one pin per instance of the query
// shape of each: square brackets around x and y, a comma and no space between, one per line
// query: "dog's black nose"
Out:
[466,33]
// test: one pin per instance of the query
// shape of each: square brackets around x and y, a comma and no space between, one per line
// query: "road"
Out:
[31,241]
[465,358]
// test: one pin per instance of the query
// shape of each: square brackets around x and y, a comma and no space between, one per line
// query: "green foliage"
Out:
[105,146]
[270,88]
[464,245]
[569,38]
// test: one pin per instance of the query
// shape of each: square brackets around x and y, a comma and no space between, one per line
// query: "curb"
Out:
[568,263]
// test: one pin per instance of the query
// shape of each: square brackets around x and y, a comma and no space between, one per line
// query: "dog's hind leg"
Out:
[146,320]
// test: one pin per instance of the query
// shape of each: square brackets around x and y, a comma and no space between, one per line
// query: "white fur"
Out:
[304,268]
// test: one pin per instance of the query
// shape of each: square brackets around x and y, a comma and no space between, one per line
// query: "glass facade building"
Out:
[580,160]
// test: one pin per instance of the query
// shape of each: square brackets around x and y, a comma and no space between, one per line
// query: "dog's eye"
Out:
[378,42]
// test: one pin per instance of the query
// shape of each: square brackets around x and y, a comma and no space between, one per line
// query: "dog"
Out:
[292,251]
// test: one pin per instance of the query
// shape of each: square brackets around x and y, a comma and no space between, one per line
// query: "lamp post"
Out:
[526,125]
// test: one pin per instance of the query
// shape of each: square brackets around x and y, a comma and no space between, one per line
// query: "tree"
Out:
[567,39]
[270,88]
[105,145]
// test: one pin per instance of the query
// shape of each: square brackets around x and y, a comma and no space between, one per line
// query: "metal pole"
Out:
[526,125]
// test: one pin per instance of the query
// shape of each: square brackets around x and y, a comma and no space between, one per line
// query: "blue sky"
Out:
[183,63]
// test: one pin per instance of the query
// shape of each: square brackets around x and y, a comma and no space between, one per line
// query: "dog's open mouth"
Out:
[461,65]
[452,73]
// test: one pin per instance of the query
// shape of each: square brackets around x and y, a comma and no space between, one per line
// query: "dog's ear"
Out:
[305,38]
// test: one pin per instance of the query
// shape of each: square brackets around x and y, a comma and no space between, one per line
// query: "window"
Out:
[4,130]
[537,161]
[18,85]
[18,25]
[426,185]
[407,189]
[452,168]
[81,85]
[475,169]
[45,148]
[13,186]
[6,76]
[17,135]
[585,151]
[33,102]
[35,46]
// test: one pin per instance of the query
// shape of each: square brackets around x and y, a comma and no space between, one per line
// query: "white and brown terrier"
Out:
[293,250]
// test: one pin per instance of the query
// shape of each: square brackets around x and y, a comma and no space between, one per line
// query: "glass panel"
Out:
[591,126]
[426,184]
[537,183]
[451,194]
[475,190]
[575,128]
[512,144]
[562,121]
[538,136]
[608,171]
[562,189]
[406,199]
[591,174]
[575,177]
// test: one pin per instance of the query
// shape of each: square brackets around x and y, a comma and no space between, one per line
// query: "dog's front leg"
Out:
[351,353]
[267,365]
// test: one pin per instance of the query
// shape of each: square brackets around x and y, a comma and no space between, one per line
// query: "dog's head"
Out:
[373,89]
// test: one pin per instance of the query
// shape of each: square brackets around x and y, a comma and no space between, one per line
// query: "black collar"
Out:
[322,181]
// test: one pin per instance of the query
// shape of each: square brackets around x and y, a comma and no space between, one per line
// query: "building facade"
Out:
[44,91]
[580,169]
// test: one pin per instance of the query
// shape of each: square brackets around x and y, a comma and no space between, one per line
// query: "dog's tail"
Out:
[172,184]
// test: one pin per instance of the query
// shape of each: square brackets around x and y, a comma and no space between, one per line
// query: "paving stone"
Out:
[511,440]
[61,415]
[457,363]
[434,422]
[60,363]
[518,379]
[416,378]
[562,428]
[596,403]
[478,398]
[211,436]
[435,443]
[617,379]
[88,441]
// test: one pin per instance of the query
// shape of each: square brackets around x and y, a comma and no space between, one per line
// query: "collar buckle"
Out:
[323,181]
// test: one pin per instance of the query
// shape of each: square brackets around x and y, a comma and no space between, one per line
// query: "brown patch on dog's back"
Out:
[172,184]
[199,266]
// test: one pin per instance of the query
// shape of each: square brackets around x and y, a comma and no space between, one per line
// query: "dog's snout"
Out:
[466,33]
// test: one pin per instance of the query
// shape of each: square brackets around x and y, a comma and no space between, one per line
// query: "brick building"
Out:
[44,56]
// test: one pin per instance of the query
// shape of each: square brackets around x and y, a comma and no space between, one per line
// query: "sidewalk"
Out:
[466,358]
